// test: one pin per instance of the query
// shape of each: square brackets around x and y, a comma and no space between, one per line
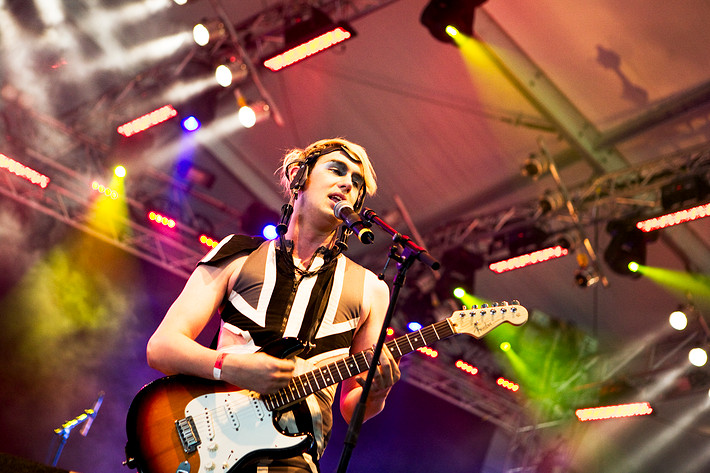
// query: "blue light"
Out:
[414,326]
[190,123]
[269,232]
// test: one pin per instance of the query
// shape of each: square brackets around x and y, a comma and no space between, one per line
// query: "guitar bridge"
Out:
[187,432]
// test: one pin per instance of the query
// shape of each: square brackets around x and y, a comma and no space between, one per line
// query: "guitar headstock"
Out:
[478,321]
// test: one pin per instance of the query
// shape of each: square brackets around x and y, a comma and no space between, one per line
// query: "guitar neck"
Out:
[333,373]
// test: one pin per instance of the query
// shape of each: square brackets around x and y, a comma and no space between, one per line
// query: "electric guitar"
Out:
[184,424]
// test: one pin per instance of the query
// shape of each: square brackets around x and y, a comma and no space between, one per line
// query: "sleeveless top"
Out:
[270,301]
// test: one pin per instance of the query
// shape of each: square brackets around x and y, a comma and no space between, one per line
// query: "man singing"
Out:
[300,286]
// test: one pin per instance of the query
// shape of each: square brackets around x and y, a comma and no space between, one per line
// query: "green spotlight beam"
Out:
[679,281]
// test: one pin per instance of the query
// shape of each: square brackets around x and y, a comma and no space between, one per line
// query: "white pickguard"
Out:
[231,425]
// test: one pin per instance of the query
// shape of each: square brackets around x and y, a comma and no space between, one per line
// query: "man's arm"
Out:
[172,348]
[377,294]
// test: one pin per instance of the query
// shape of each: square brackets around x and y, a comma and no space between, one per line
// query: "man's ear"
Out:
[292,171]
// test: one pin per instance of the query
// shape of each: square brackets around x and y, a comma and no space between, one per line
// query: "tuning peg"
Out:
[484,306]
[463,307]
[495,304]
[516,302]
[504,303]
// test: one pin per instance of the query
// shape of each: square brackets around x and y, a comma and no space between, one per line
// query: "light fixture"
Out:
[614,412]
[678,319]
[534,166]
[585,277]
[551,201]
[308,36]
[23,171]
[627,246]
[249,114]
[209,31]
[460,266]
[698,356]
[674,218]
[440,16]
[231,70]
[149,120]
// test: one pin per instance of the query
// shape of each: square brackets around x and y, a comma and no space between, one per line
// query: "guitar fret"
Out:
[329,376]
[308,379]
[410,342]
[340,375]
[345,364]
[268,400]
[396,344]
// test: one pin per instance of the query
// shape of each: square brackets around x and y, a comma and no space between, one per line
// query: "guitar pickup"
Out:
[187,432]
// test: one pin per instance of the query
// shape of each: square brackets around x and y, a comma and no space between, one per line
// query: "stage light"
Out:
[161,219]
[190,123]
[308,36]
[678,320]
[208,32]
[459,292]
[460,265]
[507,384]
[451,31]
[628,245]
[614,412]
[251,114]
[414,326]
[119,171]
[466,368]
[534,166]
[208,241]
[430,352]
[147,121]
[585,277]
[231,70]
[269,232]
[698,357]
[23,171]
[105,190]
[683,191]
[505,346]
[439,16]
[674,218]
[528,259]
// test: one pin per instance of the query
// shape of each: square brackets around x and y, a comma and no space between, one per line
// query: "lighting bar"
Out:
[675,218]
[528,259]
[148,120]
[507,384]
[614,412]
[23,171]
[161,219]
[208,241]
[465,367]
[338,34]
[428,352]
[105,190]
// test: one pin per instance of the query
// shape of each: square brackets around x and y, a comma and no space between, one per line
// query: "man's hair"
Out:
[297,157]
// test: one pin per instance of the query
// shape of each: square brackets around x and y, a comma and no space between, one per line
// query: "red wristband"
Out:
[217,371]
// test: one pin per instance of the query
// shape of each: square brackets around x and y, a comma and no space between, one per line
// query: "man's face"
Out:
[334,177]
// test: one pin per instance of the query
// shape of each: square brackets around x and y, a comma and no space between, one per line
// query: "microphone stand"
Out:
[410,252]
[65,430]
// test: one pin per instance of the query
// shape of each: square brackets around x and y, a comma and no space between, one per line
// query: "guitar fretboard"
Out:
[332,373]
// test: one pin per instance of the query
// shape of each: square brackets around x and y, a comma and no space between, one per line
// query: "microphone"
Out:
[345,212]
[92,414]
